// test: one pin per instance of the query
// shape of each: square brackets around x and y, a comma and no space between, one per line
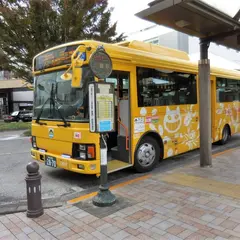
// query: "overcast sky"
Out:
[124,11]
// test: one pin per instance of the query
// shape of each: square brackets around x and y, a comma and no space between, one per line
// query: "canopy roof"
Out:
[198,18]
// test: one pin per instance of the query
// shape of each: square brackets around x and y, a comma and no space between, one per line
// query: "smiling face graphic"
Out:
[172,120]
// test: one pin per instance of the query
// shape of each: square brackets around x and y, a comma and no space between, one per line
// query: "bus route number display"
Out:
[101,107]
[54,58]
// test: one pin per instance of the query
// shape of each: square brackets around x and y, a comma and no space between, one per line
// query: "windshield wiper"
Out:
[66,124]
[53,101]
[39,115]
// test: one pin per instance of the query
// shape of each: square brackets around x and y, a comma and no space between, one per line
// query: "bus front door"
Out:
[118,142]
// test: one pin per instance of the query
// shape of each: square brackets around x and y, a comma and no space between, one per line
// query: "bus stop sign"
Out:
[100,63]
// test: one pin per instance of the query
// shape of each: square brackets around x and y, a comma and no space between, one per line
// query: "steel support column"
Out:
[205,106]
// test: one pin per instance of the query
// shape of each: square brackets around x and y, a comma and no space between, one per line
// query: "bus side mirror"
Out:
[76,73]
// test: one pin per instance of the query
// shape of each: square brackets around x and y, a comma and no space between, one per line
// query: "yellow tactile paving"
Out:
[92,194]
[205,184]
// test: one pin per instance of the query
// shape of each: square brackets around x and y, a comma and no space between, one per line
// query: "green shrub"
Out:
[14,126]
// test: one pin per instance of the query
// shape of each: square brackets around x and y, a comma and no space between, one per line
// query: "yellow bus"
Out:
[156,105]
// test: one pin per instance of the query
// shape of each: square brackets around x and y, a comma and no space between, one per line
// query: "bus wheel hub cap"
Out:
[146,154]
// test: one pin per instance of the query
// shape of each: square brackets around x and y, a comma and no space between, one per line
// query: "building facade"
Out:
[177,40]
[14,95]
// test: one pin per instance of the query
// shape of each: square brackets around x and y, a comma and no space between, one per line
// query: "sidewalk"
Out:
[187,203]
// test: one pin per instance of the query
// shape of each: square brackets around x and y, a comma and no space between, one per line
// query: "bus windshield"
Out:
[71,103]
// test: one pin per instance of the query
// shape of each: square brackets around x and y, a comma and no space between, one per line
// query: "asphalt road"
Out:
[15,154]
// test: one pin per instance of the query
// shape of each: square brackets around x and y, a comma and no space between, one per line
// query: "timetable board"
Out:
[101,107]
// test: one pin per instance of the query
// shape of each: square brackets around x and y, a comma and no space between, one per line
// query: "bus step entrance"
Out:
[119,152]
[116,165]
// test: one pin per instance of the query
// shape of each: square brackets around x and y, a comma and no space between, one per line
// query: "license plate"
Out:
[50,161]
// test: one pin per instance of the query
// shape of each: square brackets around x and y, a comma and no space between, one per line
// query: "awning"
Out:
[196,18]
[13,83]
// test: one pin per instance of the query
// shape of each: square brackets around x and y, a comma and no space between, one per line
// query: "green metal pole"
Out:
[104,197]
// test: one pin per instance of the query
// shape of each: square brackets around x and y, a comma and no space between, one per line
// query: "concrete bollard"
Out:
[34,196]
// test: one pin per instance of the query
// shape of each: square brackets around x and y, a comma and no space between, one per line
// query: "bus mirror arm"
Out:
[76,66]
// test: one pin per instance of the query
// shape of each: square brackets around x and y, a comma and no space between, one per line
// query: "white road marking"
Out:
[12,137]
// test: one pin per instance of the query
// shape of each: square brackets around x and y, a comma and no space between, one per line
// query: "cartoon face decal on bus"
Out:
[172,120]
[160,130]
[190,114]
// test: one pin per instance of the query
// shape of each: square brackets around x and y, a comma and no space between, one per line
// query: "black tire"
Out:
[147,145]
[225,135]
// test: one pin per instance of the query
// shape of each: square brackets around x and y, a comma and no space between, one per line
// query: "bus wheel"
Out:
[146,155]
[225,135]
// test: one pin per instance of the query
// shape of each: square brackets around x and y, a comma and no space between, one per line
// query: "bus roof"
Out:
[157,49]
[137,51]
[138,45]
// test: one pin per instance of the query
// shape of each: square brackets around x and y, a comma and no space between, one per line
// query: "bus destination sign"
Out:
[54,58]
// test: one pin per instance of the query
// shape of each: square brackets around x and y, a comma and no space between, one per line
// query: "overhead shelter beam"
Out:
[196,18]
[223,35]
[237,16]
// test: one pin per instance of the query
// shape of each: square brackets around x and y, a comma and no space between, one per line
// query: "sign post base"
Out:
[104,198]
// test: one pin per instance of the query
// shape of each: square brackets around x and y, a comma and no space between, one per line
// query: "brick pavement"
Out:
[226,168]
[148,209]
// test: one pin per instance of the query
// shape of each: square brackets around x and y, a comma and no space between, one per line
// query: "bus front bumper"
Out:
[79,166]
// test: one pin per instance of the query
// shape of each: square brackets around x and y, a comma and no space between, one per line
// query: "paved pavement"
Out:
[185,203]
[15,155]
[58,184]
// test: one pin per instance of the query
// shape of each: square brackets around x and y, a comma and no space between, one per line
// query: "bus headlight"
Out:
[34,142]
[93,167]
[82,155]
[80,166]
[84,151]
[82,147]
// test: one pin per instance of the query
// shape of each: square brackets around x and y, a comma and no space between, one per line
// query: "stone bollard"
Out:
[34,196]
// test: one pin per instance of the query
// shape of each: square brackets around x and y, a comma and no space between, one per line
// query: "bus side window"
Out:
[227,90]
[162,88]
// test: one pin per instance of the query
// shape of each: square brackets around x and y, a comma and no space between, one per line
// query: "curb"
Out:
[21,205]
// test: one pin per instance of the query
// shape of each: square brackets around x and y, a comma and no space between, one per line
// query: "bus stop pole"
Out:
[104,197]
[205,106]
